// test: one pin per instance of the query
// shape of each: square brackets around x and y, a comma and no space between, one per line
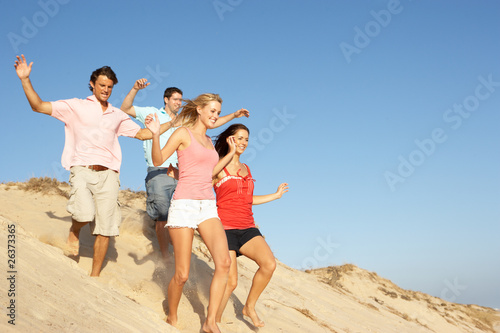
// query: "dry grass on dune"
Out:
[330,275]
[44,185]
[387,293]
[127,196]
[47,185]
[484,320]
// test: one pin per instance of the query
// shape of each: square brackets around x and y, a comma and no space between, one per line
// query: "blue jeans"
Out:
[159,187]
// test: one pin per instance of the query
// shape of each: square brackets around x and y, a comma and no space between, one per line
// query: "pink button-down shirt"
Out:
[92,135]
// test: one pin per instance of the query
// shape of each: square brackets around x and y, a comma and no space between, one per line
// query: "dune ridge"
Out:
[55,294]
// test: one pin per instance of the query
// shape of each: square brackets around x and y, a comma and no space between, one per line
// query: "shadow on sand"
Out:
[86,242]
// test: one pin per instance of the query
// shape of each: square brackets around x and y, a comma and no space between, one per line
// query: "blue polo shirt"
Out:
[140,114]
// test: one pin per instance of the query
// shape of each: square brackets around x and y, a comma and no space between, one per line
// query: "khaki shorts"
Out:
[94,198]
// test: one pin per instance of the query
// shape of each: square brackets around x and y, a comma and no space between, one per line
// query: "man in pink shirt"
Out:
[92,154]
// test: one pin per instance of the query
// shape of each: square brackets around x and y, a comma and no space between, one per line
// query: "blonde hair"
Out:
[189,114]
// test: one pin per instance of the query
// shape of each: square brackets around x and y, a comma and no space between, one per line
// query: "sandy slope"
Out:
[55,294]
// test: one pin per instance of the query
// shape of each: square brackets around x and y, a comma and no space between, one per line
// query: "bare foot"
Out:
[253,316]
[210,328]
[171,321]
[73,243]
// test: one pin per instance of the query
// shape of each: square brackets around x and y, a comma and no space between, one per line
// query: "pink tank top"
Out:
[196,165]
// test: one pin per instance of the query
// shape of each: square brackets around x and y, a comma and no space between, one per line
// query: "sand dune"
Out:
[54,293]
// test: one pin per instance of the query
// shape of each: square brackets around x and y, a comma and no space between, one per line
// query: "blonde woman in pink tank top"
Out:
[193,204]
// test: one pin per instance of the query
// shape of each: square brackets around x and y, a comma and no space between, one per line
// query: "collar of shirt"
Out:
[94,99]
[162,110]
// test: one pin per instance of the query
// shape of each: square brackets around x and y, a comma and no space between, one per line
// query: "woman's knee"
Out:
[269,265]
[181,278]
[223,264]
[232,282]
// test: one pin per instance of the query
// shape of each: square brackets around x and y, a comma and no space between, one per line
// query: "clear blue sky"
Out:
[383,116]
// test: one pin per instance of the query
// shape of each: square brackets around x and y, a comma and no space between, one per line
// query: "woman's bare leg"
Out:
[182,240]
[258,250]
[214,236]
[232,282]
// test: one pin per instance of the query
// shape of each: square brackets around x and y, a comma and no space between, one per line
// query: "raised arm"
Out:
[260,199]
[127,104]
[226,159]
[240,113]
[23,71]
[158,154]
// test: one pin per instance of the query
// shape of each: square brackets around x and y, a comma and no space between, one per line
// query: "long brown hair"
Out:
[221,145]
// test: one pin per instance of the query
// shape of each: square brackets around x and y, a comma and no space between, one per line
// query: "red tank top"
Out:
[234,200]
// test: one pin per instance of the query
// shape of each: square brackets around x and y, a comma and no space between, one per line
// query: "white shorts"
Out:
[187,213]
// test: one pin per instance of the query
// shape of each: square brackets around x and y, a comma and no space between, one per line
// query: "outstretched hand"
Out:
[241,113]
[141,84]
[23,70]
[283,188]
[153,123]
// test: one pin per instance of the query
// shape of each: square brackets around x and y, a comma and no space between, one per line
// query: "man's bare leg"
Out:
[100,248]
[74,237]
[163,238]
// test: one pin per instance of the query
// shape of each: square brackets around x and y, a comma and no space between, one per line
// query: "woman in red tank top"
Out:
[234,192]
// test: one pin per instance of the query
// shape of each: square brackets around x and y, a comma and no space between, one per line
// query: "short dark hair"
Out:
[170,91]
[106,71]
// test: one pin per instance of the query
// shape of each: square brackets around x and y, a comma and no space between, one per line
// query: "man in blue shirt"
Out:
[161,181]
